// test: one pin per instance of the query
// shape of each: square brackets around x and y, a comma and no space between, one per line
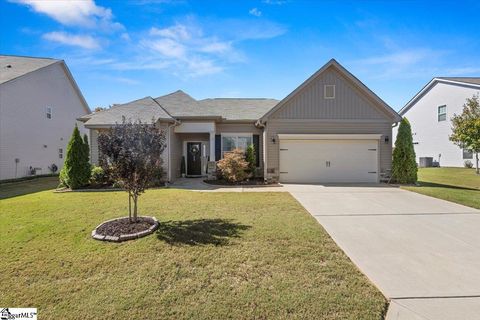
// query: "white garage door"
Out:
[328,161]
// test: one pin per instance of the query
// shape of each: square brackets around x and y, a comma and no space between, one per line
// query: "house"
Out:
[430,112]
[331,128]
[39,105]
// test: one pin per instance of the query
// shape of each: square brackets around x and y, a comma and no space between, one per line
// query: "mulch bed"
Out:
[122,229]
[250,182]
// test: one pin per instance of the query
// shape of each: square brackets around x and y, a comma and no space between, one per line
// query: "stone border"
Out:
[125,237]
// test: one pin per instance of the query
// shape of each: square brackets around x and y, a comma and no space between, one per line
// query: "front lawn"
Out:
[458,185]
[216,256]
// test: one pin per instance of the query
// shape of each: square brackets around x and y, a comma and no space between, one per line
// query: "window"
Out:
[49,112]
[467,154]
[442,113]
[235,141]
[329,91]
[60,153]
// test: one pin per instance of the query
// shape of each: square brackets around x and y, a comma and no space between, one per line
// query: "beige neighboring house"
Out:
[330,129]
[39,105]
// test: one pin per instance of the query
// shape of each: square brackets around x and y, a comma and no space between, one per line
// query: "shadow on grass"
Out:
[200,232]
[439,185]
[20,188]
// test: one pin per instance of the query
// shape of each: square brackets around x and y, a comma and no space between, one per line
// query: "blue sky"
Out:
[124,50]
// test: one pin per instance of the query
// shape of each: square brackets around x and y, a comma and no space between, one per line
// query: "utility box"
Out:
[426,162]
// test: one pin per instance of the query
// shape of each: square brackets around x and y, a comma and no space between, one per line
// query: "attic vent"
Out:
[329,91]
[8,66]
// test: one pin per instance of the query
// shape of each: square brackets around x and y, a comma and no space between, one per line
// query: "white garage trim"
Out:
[329,136]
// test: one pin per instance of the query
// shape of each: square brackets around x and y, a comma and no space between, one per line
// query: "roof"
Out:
[145,110]
[462,81]
[470,80]
[333,63]
[12,67]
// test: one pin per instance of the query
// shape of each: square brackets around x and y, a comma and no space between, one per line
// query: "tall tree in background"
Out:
[404,166]
[466,128]
[132,154]
[76,169]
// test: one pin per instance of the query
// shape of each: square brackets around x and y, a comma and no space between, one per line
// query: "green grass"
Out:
[216,256]
[13,189]
[458,185]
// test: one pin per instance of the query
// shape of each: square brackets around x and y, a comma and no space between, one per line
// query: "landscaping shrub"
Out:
[251,158]
[468,164]
[98,177]
[233,166]
[76,169]
[404,166]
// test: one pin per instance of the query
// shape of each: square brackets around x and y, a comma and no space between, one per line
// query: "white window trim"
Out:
[325,91]
[439,114]
[232,134]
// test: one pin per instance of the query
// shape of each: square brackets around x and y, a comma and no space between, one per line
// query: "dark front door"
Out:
[194,161]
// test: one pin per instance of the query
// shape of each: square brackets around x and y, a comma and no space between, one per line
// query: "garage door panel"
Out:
[324,161]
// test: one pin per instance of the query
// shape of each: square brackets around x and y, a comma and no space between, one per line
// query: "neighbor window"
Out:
[235,141]
[467,154]
[329,91]
[442,113]
[60,153]
[49,112]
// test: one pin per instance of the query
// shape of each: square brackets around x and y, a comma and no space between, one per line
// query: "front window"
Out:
[235,141]
[442,113]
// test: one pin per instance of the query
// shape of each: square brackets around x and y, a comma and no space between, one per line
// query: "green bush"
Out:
[251,158]
[76,169]
[98,177]
[404,166]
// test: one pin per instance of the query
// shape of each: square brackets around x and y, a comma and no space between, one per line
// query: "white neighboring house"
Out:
[430,112]
[39,105]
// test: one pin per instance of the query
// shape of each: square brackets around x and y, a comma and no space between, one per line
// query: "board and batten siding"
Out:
[352,111]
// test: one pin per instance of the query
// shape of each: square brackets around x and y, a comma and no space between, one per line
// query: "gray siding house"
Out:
[39,105]
[331,128]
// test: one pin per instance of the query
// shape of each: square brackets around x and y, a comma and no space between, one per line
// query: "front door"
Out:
[194,160]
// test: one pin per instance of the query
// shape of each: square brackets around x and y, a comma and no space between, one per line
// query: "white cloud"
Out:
[275,2]
[167,47]
[255,12]
[83,41]
[176,32]
[83,13]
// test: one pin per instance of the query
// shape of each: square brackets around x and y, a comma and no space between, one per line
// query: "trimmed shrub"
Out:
[251,158]
[233,166]
[404,166]
[76,169]
[98,177]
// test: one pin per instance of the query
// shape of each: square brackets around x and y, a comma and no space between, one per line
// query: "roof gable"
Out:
[13,67]
[348,82]
[456,81]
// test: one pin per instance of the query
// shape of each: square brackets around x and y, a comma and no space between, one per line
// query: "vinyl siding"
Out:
[24,127]
[275,127]
[349,101]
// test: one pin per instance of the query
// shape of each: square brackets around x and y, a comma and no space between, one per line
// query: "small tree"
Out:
[466,128]
[251,158]
[132,154]
[404,166]
[233,166]
[76,169]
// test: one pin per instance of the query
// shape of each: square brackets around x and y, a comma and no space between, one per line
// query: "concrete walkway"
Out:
[422,253]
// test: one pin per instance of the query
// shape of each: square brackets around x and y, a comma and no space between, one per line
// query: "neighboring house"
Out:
[332,128]
[39,105]
[430,112]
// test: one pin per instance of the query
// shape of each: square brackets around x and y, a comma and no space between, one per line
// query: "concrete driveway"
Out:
[422,253]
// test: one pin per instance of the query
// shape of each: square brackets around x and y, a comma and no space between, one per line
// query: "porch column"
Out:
[212,146]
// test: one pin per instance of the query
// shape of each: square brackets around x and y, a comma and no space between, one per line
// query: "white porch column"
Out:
[212,145]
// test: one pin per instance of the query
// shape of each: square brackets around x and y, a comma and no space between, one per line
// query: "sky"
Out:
[120,51]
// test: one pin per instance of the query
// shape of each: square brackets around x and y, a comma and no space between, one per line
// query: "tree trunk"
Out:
[135,198]
[478,170]
[129,206]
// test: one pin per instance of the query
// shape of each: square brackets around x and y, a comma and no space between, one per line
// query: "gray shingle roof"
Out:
[472,80]
[12,67]
[145,110]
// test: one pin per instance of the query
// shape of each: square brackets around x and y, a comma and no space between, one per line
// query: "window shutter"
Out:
[218,147]
[256,144]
